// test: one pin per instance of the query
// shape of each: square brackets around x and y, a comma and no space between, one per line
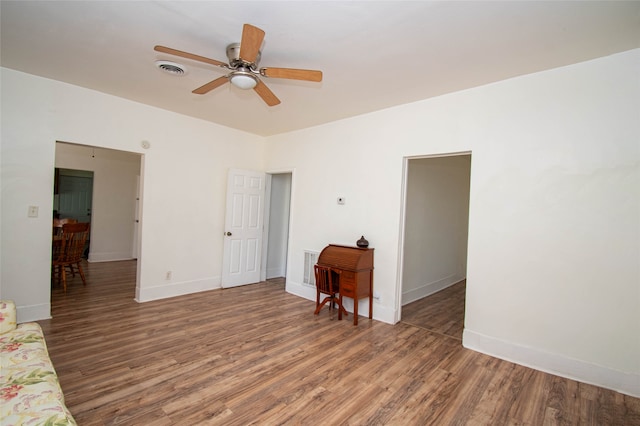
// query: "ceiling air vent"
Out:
[171,67]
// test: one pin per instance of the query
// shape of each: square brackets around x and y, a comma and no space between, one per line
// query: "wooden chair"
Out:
[68,249]
[59,223]
[325,285]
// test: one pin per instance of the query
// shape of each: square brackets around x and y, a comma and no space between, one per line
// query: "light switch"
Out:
[33,211]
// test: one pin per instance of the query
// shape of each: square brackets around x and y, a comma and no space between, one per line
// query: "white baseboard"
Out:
[430,288]
[275,273]
[108,257]
[301,290]
[380,312]
[165,291]
[33,312]
[627,383]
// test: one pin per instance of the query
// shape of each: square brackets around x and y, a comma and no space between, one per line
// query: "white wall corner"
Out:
[626,383]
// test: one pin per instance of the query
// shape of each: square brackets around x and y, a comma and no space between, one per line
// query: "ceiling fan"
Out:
[243,63]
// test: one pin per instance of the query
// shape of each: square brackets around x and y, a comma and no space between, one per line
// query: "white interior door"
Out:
[243,227]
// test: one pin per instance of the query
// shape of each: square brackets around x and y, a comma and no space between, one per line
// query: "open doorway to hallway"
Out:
[277,225]
[435,242]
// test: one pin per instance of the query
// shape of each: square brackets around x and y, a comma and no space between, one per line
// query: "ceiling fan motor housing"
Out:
[233,54]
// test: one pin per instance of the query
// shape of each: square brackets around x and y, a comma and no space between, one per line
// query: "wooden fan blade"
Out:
[211,85]
[251,42]
[267,95]
[188,55]
[293,74]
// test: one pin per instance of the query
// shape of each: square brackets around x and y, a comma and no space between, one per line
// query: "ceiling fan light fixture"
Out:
[244,80]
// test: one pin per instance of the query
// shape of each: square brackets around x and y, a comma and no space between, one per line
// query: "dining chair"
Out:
[326,285]
[59,223]
[68,249]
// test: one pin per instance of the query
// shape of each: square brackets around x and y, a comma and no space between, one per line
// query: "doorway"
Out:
[114,209]
[434,239]
[249,208]
[277,225]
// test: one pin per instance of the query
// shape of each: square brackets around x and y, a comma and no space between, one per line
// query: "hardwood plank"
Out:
[441,312]
[258,355]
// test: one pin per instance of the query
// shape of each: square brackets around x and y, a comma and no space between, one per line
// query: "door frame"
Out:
[267,215]
[403,218]
[265,239]
[141,178]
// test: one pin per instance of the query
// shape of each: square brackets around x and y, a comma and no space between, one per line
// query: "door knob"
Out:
[228,234]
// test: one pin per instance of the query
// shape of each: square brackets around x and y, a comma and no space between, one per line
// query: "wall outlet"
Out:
[33,211]
[168,276]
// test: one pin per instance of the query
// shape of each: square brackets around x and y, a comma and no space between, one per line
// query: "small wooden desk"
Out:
[354,270]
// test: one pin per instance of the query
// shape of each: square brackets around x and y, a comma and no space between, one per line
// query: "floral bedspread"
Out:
[30,393]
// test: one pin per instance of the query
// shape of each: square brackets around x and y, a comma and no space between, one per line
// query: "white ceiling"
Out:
[373,54]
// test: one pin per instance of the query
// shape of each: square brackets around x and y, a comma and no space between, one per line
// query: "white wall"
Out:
[183,185]
[114,192]
[552,272]
[436,225]
[554,232]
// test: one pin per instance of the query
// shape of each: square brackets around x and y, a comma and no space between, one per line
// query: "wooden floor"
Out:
[258,355]
[442,312]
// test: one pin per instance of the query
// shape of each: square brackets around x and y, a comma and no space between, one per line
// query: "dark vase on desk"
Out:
[362,242]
